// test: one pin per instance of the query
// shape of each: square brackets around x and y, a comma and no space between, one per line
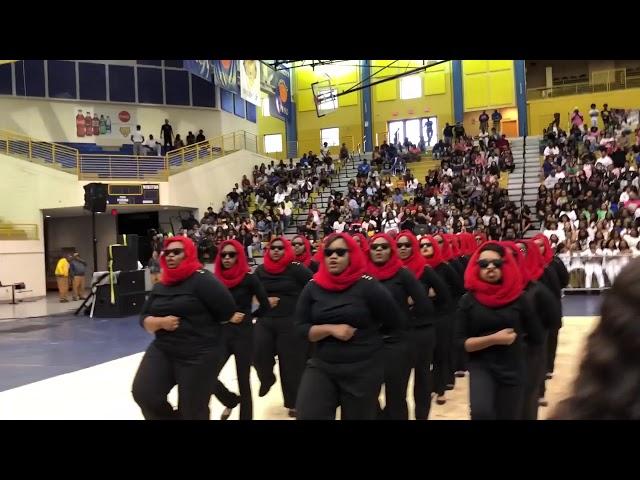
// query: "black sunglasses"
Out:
[404,244]
[341,252]
[380,246]
[173,251]
[275,247]
[297,244]
[485,263]
[229,254]
[425,245]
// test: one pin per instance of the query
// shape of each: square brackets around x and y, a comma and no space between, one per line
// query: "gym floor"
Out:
[66,367]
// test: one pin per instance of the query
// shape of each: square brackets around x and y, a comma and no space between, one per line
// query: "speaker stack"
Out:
[125,294]
[95,197]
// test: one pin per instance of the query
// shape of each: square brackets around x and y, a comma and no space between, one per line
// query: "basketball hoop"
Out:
[325,96]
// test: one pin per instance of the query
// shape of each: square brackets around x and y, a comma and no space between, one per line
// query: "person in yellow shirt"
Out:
[62,276]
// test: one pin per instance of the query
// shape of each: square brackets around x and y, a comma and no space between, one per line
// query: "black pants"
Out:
[238,341]
[397,369]
[168,144]
[353,387]
[160,371]
[491,399]
[423,344]
[552,346]
[276,336]
[534,379]
[443,356]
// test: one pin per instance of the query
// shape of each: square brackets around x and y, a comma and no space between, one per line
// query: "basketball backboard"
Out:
[325,96]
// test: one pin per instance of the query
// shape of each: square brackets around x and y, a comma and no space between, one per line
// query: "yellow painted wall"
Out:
[540,112]
[348,117]
[437,99]
[488,84]
[271,126]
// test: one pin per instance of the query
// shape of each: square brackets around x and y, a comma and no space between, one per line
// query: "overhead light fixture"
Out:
[47,216]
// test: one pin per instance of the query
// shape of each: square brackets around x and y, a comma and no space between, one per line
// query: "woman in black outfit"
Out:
[342,311]
[459,355]
[555,271]
[233,271]
[455,254]
[445,303]
[302,251]
[274,334]
[185,312]
[412,300]
[423,335]
[494,316]
[547,311]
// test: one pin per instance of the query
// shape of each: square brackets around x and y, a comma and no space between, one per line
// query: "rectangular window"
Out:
[93,81]
[62,79]
[331,136]
[411,87]
[273,143]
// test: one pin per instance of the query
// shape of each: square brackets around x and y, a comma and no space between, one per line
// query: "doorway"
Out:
[413,128]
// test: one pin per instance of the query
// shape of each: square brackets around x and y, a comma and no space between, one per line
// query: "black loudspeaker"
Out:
[129,296]
[124,258]
[95,197]
[130,240]
[131,282]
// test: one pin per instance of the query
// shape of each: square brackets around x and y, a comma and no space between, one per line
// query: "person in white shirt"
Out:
[632,238]
[279,196]
[153,147]
[592,258]
[551,180]
[594,113]
[338,225]
[324,150]
[390,223]
[484,138]
[551,150]
[137,138]
[605,160]
[486,218]
[624,196]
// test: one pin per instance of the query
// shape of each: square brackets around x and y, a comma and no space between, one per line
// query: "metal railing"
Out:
[123,167]
[19,231]
[601,81]
[215,147]
[50,154]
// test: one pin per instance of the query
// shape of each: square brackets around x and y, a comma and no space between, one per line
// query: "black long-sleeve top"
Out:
[457,266]
[545,305]
[402,286]
[314,266]
[430,279]
[243,294]
[286,286]
[505,362]
[454,282]
[550,279]
[561,272]
[366,305]
[464,261]
[201,302]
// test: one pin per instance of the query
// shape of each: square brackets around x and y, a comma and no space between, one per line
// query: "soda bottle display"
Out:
[96,124]
[108,125]
[80,124]
[103,125]
[88,125]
